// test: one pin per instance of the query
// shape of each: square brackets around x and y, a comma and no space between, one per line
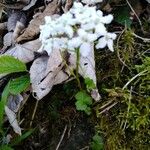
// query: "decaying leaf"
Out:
[46,72]
[14,102]
[3,26]
[24,52]
[14,17]
[30,4]
[33,28]
[12,120]
[86,69]
[8,39]
[43,73]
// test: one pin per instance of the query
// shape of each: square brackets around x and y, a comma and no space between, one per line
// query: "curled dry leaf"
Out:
[8,39]
[24,52]
[12,120]
[30,4]
[87,69]
[14,17]
[14,102]
[46,72]
[3,26]
[33,28]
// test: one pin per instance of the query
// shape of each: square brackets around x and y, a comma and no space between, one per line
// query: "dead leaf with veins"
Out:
[14,102]
[33,28]
[12,118]
[24,52]
[43,73]
[46,72]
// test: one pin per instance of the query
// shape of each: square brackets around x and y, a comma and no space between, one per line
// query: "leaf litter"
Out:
[21,41]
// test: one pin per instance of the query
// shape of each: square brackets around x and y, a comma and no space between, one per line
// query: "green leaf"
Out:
[20,84]
[5,147]
[89,84]
[9,64]
[97,143]
[3,101]
[18,139]
[122,15]
[83,97]
[84,101]
[80,106]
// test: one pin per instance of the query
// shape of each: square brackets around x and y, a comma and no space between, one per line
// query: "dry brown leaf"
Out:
[8,39]
[24,52]
[14,102]
[12,120]
[43,73]
[33,28]
[86,69]
[3,26]
[30,4]
[46,72]
[14,17]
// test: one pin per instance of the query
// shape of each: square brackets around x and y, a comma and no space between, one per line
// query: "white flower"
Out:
[106,40]
[78,28]
[85,49]
[91,1]
[100,29]
[106,19]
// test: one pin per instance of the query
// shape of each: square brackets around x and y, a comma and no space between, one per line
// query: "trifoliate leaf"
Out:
[9,64]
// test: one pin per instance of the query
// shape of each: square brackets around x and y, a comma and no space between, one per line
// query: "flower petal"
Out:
[110,45]
[101,43]
[85,48]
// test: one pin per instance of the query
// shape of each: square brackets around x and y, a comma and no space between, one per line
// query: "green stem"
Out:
[77,67]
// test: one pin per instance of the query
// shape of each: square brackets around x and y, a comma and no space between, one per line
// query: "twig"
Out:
[144,39]
[34,111]
[139,74]
[135,13]
[62,136]
[106,109]
[117,47]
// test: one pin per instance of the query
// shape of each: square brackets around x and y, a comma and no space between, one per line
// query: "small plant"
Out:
[97,142]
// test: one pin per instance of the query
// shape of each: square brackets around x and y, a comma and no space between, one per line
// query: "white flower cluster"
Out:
[91,2]
[78,28]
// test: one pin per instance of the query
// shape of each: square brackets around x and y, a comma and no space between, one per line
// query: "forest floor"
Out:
[120,120]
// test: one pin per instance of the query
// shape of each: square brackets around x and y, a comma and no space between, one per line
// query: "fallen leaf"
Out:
[30,4]
[44,72]
[24,52]
[12,120]
[86,69]
[14,102]
[33,28]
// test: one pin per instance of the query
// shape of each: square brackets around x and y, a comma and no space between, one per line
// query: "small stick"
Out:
[139,74]
[34,111]
[62,136]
